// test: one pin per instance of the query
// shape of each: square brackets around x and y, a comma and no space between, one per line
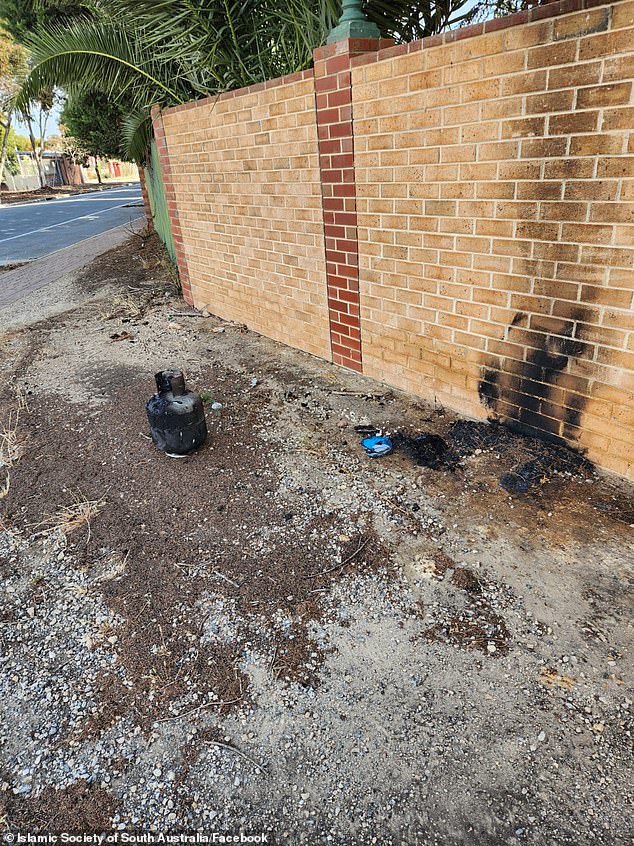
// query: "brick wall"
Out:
[476,243]
[247,188]
[495,197]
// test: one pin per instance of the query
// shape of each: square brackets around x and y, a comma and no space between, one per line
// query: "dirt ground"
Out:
[280,633]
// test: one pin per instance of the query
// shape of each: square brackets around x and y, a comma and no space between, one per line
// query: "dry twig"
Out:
[199,708]
[339,566]
[258,766]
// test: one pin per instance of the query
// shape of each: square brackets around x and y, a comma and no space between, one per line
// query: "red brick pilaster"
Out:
[146,200]
[336,160]
[177,233]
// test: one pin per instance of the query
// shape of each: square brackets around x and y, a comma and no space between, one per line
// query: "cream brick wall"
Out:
[245,171]
[495,197]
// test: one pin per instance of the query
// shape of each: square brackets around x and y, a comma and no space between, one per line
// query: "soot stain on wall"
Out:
[539,395]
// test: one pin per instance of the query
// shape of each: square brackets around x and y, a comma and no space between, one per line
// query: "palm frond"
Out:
[136,132]
[140,52]
[98,54]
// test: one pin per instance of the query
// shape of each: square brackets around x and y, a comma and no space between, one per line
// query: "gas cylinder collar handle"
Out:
[170,380]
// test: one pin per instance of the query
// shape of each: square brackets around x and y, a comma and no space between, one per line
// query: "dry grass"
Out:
[11,444]
[69,518]
[124,305]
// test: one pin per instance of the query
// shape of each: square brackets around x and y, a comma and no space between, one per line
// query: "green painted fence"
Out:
[158,201]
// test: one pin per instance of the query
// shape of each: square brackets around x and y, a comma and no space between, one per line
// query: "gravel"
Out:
[448,665]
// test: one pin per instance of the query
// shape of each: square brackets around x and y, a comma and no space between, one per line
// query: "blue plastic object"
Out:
[377,446]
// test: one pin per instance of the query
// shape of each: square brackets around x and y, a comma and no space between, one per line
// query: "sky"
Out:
[52,127]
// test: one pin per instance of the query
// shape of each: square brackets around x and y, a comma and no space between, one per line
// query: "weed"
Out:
[168,264]
[143,234]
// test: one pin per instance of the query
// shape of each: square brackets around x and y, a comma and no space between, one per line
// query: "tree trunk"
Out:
[5,144]
[38,159]
[42,121]
[97,170]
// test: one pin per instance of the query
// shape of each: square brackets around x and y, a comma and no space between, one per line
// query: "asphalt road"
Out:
[32,230]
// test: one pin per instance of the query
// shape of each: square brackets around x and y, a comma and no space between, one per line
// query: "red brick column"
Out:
[336,161]
[177,233]
[146,200]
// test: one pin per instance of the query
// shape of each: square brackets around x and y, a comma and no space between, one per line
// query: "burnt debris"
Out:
[539,460]
[427,450]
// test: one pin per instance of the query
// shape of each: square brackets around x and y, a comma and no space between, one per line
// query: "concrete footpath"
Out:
[17,284]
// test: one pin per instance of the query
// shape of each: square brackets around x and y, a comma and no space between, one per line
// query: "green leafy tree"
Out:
[406,22]
[94,121]
[22,17]
[56,143]
[21,141]
[11,164]
[13,69]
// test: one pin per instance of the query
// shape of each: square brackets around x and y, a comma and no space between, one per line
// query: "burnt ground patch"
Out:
[530,461]
[544,460]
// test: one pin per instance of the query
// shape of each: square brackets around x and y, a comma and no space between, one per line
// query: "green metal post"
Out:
[353,24]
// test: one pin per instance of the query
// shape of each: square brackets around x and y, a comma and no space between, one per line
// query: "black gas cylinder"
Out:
[176,415]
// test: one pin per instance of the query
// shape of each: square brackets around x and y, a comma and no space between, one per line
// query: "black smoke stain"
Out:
[538,396]
[488,390]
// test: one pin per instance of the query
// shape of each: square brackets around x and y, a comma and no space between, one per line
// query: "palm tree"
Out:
[142,52]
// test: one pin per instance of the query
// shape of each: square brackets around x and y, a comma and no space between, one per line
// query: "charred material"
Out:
[176,415]
[467,436]
[541,461]
[427,450]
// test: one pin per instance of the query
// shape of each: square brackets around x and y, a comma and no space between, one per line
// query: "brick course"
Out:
[336,161]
